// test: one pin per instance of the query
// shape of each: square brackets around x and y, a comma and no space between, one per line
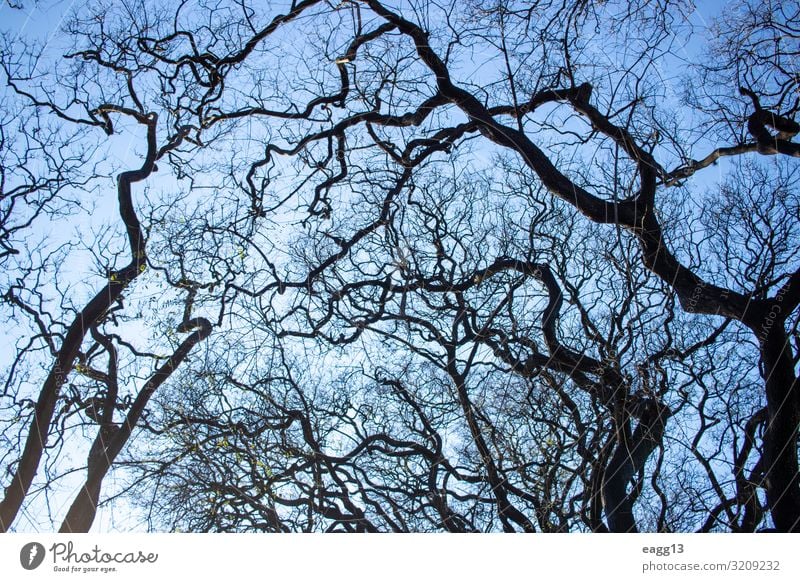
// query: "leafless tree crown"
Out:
[411,266]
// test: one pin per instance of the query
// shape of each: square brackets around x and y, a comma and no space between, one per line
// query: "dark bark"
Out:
[111,440]
[629,457]
[781,432]
[88,318]
[90,315]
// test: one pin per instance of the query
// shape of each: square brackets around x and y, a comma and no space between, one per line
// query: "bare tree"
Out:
[489,218]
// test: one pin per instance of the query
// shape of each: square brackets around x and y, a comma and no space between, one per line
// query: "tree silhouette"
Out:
[486,266]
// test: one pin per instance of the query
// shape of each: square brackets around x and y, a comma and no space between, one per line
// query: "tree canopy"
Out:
[402,266]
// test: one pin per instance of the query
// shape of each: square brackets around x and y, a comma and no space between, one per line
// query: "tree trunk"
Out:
[780,435]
